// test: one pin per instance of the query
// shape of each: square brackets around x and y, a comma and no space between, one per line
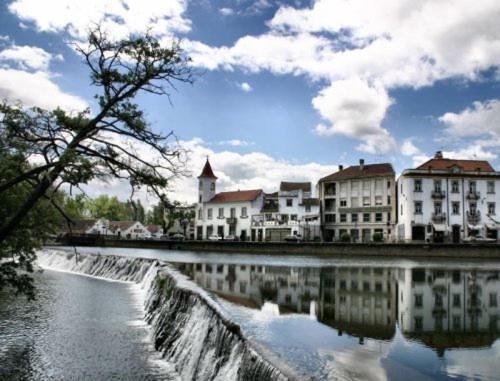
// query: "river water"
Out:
[323,319]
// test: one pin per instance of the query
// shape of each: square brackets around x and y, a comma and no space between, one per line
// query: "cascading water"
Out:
[189,327]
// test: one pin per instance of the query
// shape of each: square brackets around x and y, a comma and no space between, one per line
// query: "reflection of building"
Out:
[358,202]
[290,211]
[442,308]
[448,200]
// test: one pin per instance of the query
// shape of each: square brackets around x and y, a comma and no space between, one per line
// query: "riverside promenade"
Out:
[396,250]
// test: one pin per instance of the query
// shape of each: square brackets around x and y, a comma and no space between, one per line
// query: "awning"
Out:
[475,227]
[439,227]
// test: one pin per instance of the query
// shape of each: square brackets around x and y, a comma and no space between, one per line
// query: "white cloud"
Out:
[244,171]
[483,118]
[36,89]
[236,143]
[118,17]
[226,11]
[409,149]
[245,86]
[27,57]
[355,109]
[4,37]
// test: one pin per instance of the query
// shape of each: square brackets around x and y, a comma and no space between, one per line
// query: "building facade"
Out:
[447,200]
[225,213]
[289,212]
[358,202]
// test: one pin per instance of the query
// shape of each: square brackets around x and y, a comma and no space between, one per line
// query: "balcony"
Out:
[438,217]
[437,194]
[231,220]
[473,195]
[473,217]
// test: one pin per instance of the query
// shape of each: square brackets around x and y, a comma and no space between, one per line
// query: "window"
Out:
[232,212]
[343,202]
[419,323]
[308,208]
[343,217]
[417,185]
[293,217]
[378,200]
[437,185]
[454,186]
[199,214]
[456,323]
[244,212]
[199,199]
[493,299]
[388,184]
[366,185]
[343,285]
[472,186]
[212,186]
[289,202]
[419,300]
[389,217]
[388,200]
[378,287]
[417,207]
[378,217]
[455,207]
[354,285]
[438,300]
[354,217]
[456,300]
[354,202]
[437,208]
[221,212]
[200,185]
[330,218]
[366,217]
[366,286]
[209,213]
[366,201]
[490,187]
[491,208]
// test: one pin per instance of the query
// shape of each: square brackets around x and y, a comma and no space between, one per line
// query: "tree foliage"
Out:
[113,141]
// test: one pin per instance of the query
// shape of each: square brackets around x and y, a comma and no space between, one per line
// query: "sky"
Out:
[285,90]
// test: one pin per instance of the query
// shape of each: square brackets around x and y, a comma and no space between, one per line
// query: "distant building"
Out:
[129,229]
[102,226]
[360,201]
[224,213]
[448,200]
[290,211]
[186,225]
[155,231]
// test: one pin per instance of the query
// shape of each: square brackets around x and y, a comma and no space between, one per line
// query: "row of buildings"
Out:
[441,200]
[118,229]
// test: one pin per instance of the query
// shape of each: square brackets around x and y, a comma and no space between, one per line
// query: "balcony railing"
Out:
[473,217]
[231,220]
[473,195]
[437,194]
[438,217]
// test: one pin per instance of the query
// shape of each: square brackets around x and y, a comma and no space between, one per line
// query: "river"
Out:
[318,318]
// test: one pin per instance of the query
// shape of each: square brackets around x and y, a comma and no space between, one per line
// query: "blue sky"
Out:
[287,90]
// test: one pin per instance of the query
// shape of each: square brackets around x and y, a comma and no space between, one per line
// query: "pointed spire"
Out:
[207,171]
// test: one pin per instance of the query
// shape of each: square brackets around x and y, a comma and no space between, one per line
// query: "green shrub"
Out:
[345,238]
[378,237]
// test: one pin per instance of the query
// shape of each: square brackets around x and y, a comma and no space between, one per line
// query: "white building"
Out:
[290,211]
[448,200]
[359,201]
[224,213]
[105,227]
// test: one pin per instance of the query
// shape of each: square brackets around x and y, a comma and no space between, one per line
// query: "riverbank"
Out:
[396,250]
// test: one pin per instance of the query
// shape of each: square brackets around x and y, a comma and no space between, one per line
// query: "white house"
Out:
[448,200]
[359,201]
[224,213]
[290,211]
[129,229]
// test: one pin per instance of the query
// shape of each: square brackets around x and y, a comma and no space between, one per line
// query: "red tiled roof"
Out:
[465,165]
[355,171]
[289,186]
[238,196]
[154,228]
[122,225]
[207,171]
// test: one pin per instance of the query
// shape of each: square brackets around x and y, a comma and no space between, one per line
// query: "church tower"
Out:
[206,185]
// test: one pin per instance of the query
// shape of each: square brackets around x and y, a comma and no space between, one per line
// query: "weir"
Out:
[188,327]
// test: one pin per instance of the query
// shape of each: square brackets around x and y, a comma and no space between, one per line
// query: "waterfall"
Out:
[188,327]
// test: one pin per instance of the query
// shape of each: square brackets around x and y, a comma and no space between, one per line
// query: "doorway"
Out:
[455,233]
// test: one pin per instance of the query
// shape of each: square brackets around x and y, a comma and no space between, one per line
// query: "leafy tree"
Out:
[155,216]
[74,206]
[75,148]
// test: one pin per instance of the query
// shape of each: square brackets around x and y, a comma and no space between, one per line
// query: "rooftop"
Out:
[362,170]
[207,171]
[444,164]
[286,186]
[237,196]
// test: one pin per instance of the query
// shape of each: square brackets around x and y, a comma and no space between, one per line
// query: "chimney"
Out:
[361,164]
[438,155]
[341,167]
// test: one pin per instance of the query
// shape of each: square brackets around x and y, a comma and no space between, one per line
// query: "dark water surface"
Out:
[79,328]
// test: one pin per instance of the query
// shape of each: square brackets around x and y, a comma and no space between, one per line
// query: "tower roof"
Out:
[207,171]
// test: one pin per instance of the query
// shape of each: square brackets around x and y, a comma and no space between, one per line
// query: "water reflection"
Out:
[441,308]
